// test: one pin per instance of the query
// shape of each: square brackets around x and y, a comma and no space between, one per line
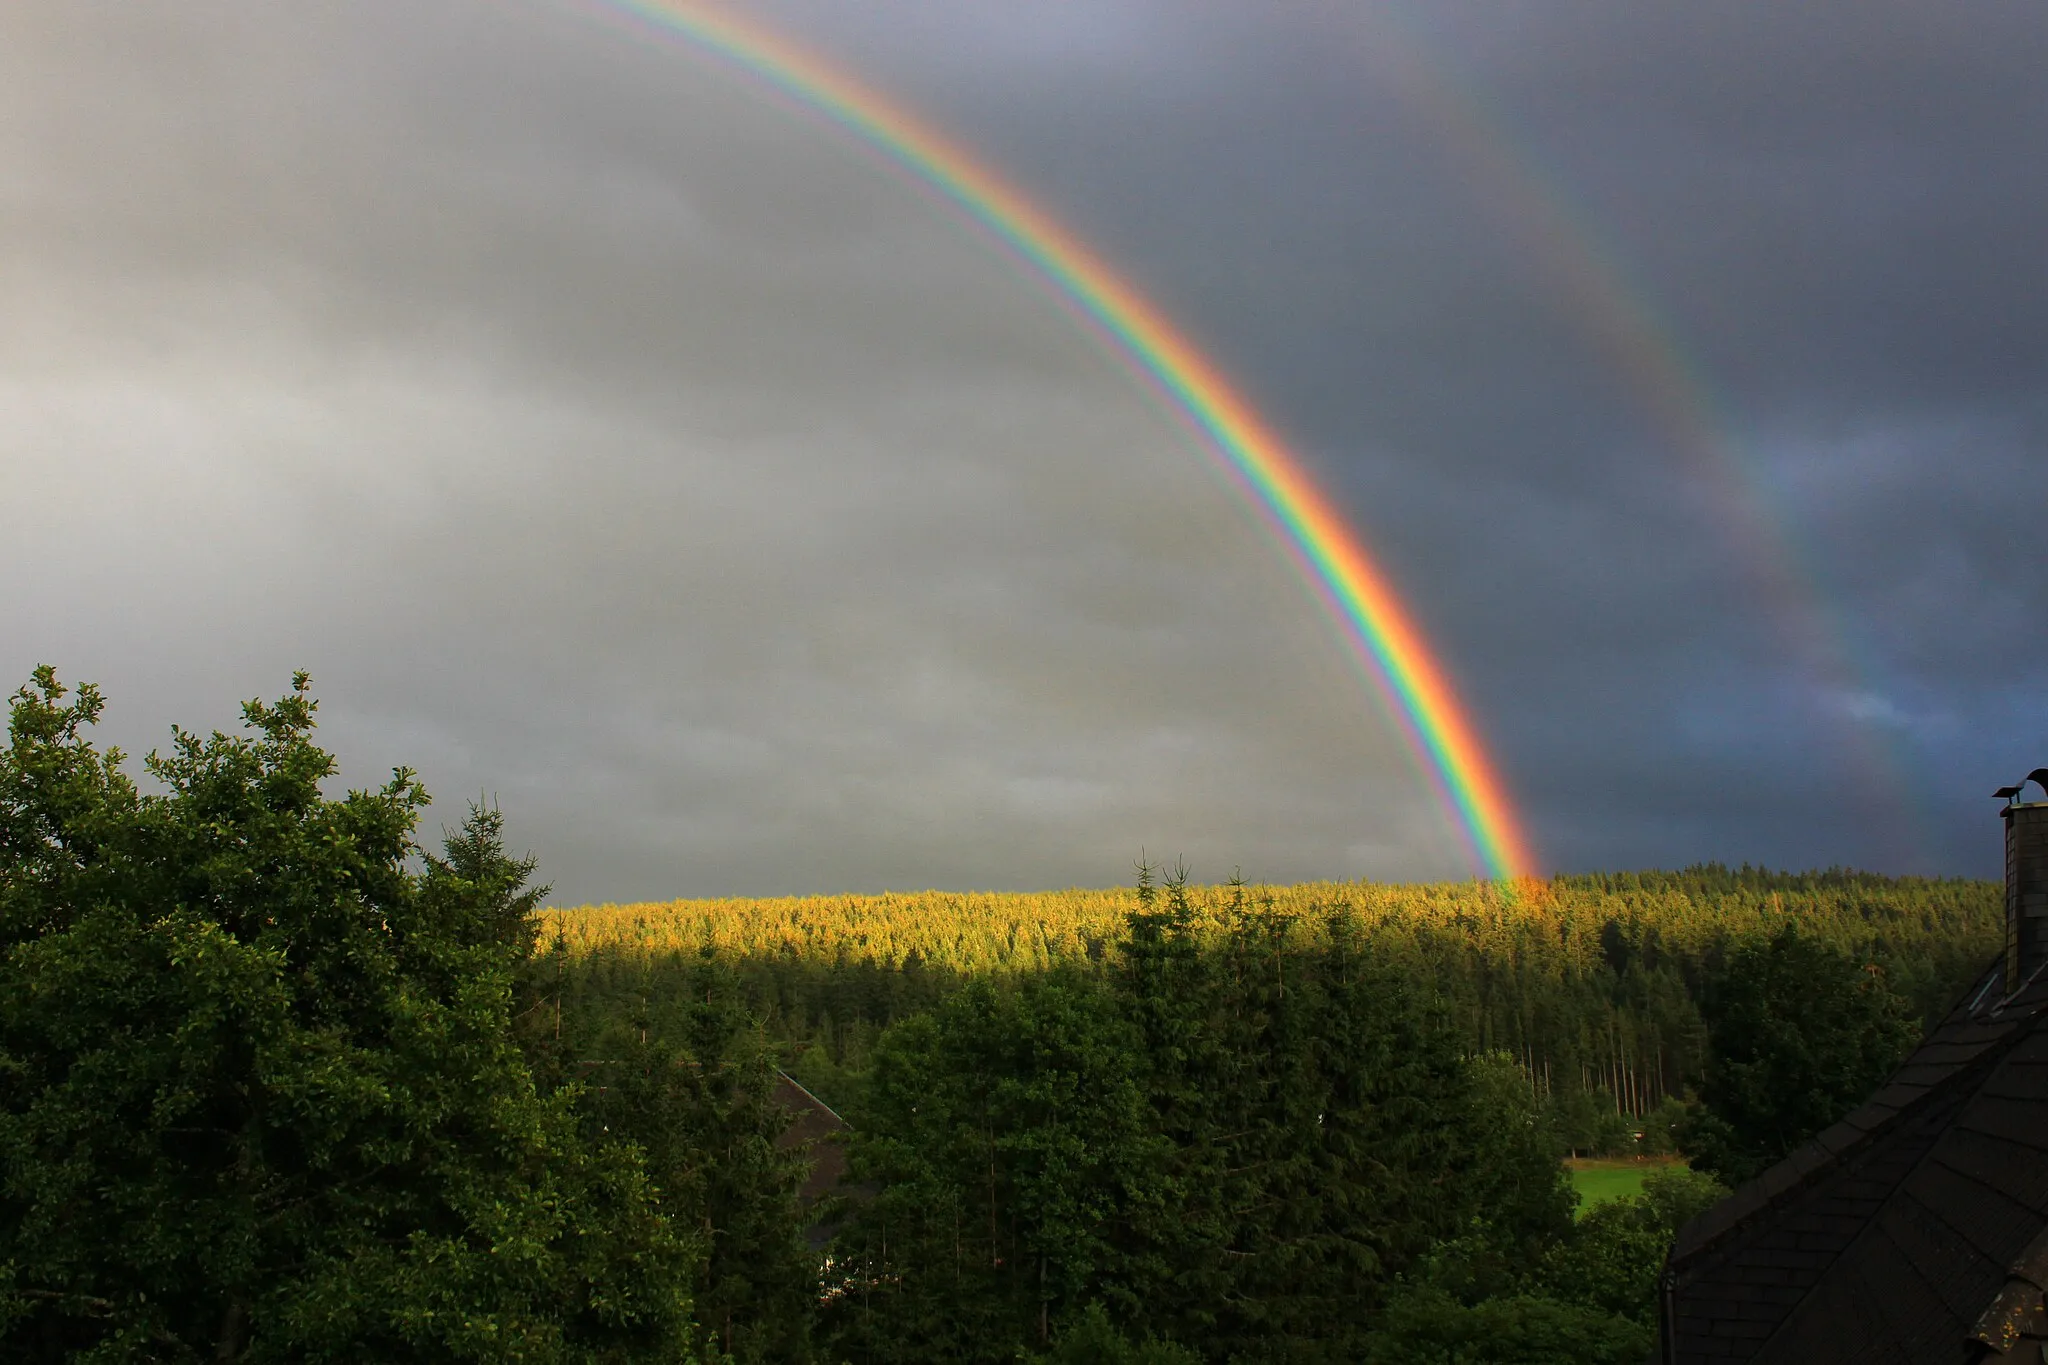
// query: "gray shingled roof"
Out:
[1914,1230]
[812,1127]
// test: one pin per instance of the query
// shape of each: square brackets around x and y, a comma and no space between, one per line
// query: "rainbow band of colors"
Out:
[1375,626]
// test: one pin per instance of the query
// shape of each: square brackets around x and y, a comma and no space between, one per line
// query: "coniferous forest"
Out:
[282,1077]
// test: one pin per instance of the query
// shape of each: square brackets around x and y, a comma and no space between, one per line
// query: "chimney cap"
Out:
[2039,775]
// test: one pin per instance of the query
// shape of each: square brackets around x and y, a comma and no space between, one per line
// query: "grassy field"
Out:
[1598,1179]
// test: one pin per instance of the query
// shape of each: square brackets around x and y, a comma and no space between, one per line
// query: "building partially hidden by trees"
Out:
[1916,1229]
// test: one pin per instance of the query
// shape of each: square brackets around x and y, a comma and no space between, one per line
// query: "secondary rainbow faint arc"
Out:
[1377,627]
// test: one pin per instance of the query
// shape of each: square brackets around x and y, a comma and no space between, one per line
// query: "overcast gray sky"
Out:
[609,435]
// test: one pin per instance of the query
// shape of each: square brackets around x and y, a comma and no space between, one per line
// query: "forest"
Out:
[281,1078]
[1591,984]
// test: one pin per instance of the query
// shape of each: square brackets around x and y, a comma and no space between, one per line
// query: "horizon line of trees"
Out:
[1595,987]
[279,1082]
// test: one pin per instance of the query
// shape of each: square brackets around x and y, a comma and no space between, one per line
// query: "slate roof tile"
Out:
[1888,1237]
[2013,1167]
[1952,1273]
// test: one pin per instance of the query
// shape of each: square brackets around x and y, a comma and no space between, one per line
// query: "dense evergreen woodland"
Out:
[1593,985]
[282,1080]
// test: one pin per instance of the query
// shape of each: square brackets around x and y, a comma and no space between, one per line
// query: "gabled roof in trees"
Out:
[813,1129]
[1914,1230]
[811,1124]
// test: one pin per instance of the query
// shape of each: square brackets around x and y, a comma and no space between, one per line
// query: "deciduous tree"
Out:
[1800,1033]
[259,1098]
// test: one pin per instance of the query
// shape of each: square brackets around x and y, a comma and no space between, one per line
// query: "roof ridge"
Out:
[805,1091]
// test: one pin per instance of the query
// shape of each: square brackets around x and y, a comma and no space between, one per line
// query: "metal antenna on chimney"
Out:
[2011,795]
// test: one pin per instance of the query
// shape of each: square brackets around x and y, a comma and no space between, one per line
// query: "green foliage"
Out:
[1591,1295]
[1430,1327]
[1590,982]
[1661,1127]
[259,1096]
[1007,1130]
[1611,1259]
[1802,1032]
[1327,1128]
[1232,1143]
[276,1083]
[678,1067]
[483,892]
[709,1137]
[1094,1340]
[691,1082]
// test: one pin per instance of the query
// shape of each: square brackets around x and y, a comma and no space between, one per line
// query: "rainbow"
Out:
[1379,631]
[1618,317]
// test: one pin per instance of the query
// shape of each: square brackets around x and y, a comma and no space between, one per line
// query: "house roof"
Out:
[1914,1230]
[811,1123]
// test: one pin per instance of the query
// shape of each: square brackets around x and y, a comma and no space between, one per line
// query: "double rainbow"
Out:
[1377,629]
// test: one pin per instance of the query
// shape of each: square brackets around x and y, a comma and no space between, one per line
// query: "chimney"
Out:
[2026,881]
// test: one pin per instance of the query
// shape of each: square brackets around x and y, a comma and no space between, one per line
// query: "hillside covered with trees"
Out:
[1592,984]
[278,1081]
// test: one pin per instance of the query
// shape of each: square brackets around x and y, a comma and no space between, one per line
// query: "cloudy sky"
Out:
[611,436]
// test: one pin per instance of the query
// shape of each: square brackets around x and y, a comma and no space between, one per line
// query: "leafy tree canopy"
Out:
[1800,1033]
[259,1097]
[1590,1297]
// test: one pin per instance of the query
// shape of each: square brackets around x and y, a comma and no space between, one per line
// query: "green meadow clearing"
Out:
[1599,1179]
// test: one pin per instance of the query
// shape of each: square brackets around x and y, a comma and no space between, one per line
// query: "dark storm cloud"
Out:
[1834,210]
[609,436]
[604,435]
